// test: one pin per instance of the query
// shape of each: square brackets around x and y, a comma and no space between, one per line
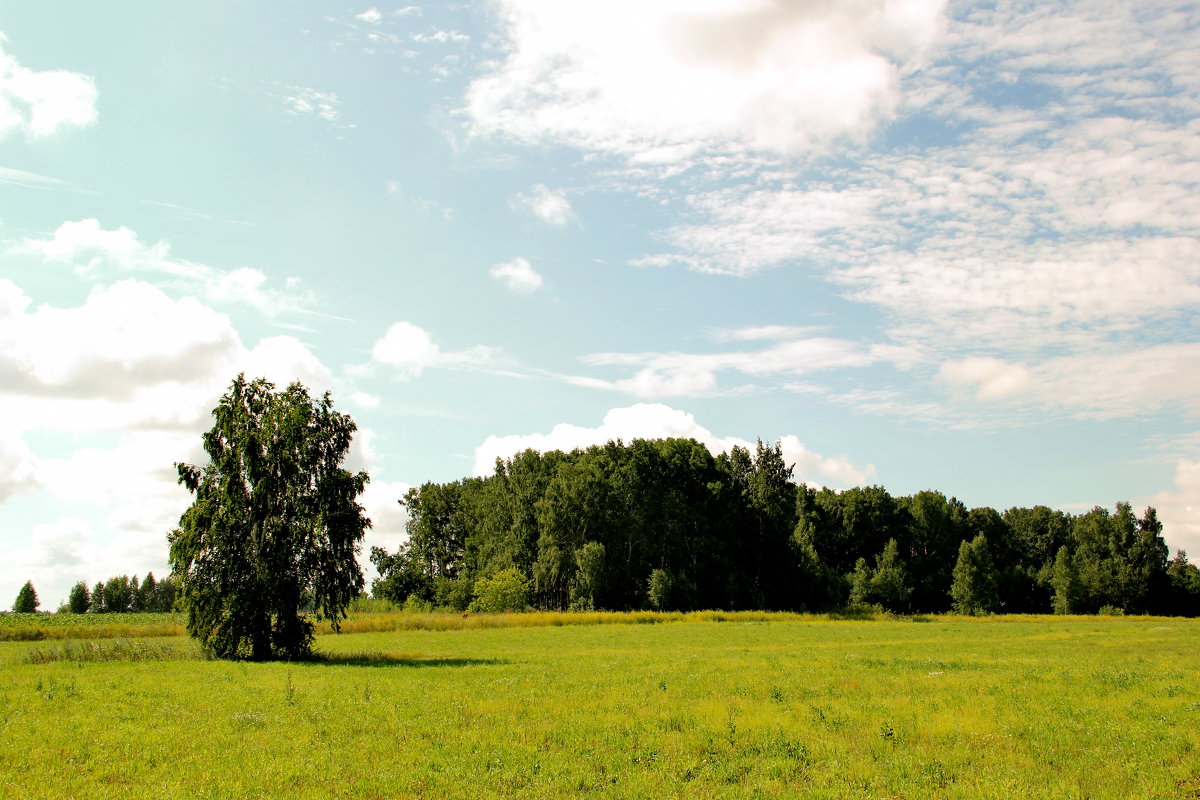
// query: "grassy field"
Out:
[748,707]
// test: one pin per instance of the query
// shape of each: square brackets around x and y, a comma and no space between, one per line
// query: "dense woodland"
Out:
[665,524]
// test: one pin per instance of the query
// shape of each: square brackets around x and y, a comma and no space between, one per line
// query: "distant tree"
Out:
[886,584]
[860,583]
[98,598]
[143,595]
[507,590]
[590,562]
[400,576]
[80,599]
[889,584]
[118,594]
[1068,590]
[658,590]
[1183,579]
[27,600]
[274,526]
[974,588]
[164,595]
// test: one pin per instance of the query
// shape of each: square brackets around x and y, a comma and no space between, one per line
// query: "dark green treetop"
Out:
[27,599]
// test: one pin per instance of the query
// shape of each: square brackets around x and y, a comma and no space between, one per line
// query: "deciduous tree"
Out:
[275,525]
[80,599]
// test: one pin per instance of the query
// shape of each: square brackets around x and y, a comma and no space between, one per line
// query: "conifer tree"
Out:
[27,600]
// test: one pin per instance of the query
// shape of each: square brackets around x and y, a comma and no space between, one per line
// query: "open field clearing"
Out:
[1079,707]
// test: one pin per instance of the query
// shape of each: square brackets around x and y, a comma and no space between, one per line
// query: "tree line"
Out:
[118,594]
[664,524]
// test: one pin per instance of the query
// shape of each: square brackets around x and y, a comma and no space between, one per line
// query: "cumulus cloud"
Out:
[410,350]
[18,468]
[130,357]
[658,421]
[1179,510]
[381,504]
[724,73]
[517,275]
[43,102]
[551,206]
[96,252]
[127,381]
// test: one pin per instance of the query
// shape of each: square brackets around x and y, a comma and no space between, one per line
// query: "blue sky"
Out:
[923,244]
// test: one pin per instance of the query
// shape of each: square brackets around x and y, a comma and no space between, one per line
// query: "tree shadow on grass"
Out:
[379,659]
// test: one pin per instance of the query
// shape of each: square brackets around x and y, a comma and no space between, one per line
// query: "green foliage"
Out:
[80,599]
[1068,591]
[453,593]
[658,590]
[974,588]
[733,532]
[27,600]
[589,576]
[119,594]
[1183,581]
[274,526]
[400,576]
[507,590]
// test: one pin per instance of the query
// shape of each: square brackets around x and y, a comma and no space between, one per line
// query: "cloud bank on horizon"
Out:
[956,244]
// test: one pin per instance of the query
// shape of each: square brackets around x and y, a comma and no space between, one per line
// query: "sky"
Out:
[922,244]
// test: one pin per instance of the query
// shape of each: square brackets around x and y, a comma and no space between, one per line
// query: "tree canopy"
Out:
[274,527]
[665,524]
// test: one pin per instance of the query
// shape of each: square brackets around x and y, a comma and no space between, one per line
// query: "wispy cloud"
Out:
[32,180]
[794,352]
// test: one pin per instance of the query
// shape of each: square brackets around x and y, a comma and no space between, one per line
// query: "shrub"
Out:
[507,590]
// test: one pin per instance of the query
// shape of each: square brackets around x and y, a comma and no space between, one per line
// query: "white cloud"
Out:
[125,335]
[32,180]
[371,15]
[517,275]
[721,73]
[41,103]
[93,252]
[304,101]
[381,504]
[1107,383]
[549,205]
[1179,511]
[658,421]
[18,468]
[991,377]
[410,349]
[130,357]
[407,347]
[794,352]
[439,36]
[126,383]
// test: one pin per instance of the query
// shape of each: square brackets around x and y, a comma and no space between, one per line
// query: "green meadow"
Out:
[716,706]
